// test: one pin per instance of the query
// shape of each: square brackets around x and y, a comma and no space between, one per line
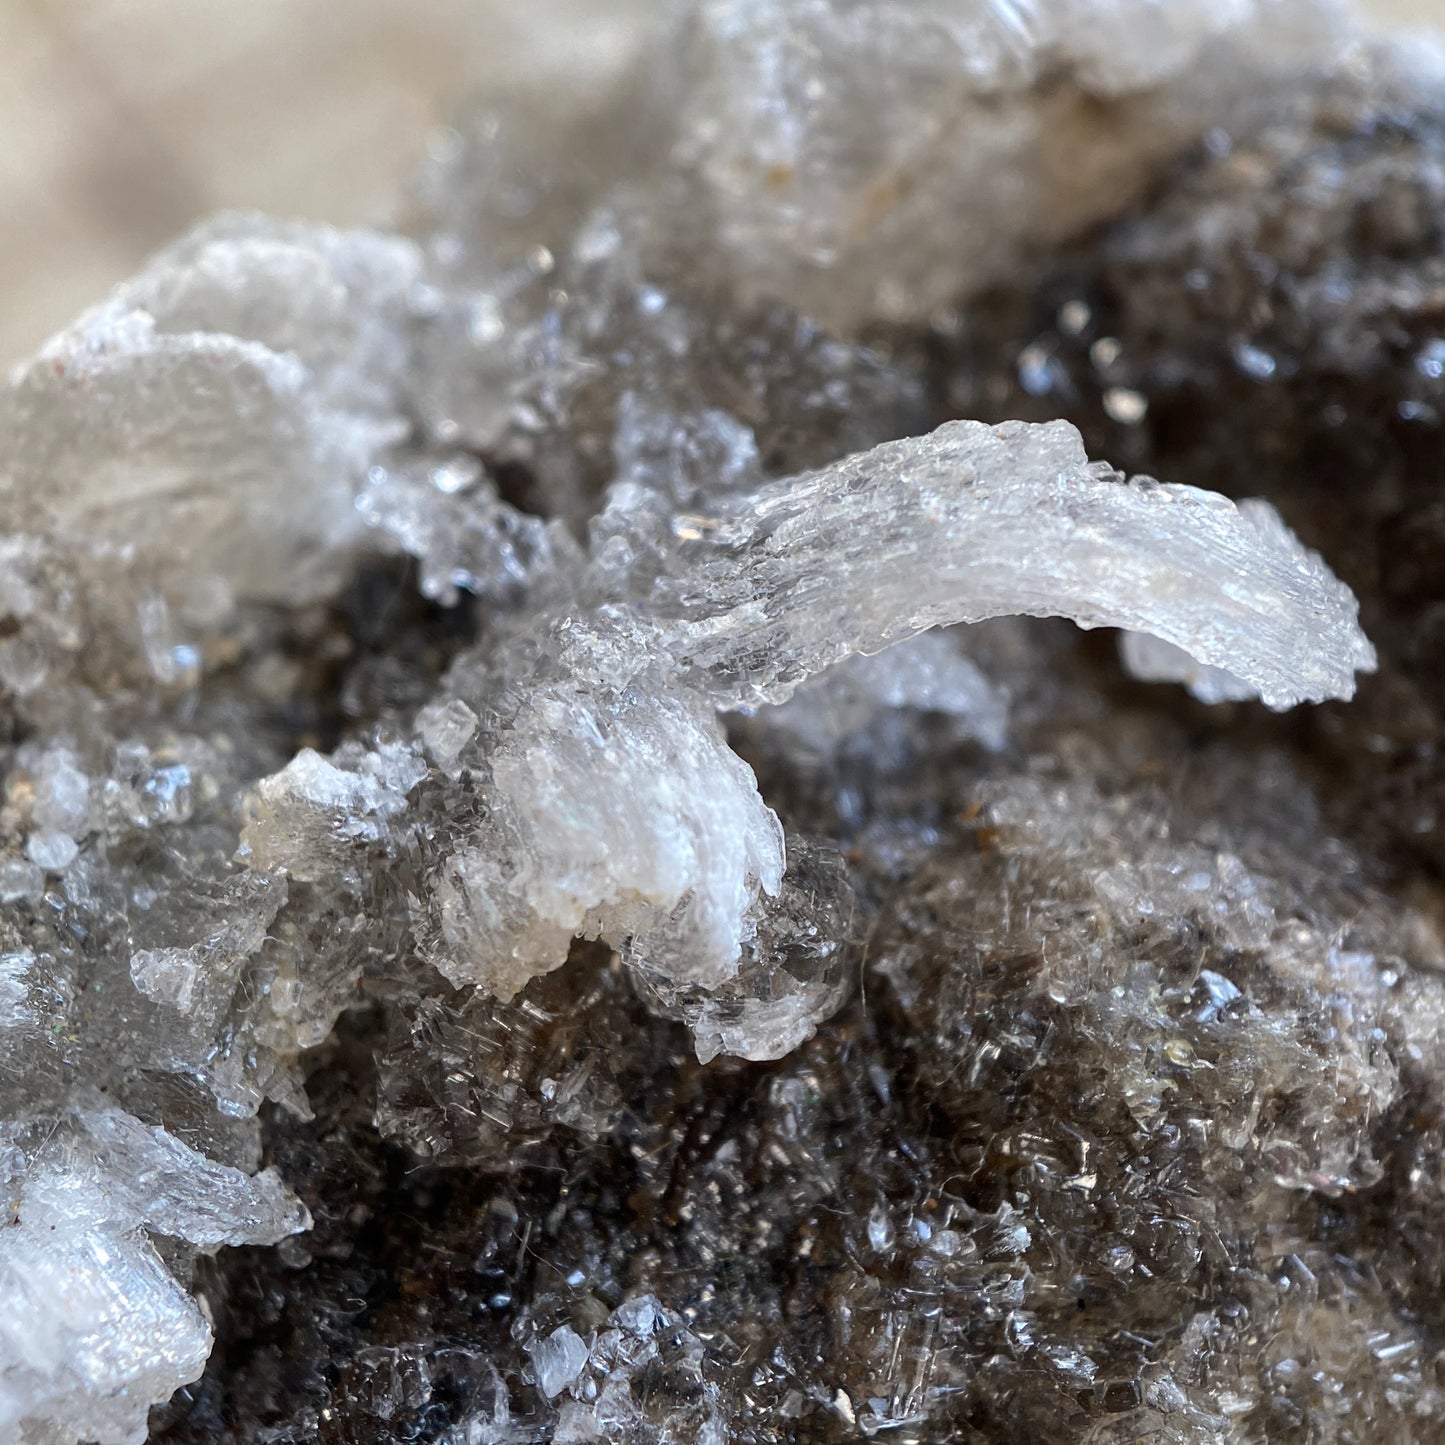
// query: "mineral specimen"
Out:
[556,734]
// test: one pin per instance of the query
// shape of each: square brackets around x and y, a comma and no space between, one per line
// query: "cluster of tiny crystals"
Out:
[714,795]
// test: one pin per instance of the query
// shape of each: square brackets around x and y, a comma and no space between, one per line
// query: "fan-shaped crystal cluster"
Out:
[547,799]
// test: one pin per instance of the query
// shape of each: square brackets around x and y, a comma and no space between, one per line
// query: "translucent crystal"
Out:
[611,800]
[54,852]
[97,1329]
[465,537]
[792,975]
[464,1078]
[974,522]
[927,673]
[1154,660]
[279,345]
[167,975]
[610,803]
[62,795]
[313,812]
[558,1360]
[446,728]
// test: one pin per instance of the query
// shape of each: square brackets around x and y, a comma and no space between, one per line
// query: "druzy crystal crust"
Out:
[566,875]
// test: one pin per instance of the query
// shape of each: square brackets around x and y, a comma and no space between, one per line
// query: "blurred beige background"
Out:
[123,120]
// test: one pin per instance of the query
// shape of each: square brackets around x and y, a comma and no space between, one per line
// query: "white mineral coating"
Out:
[313,812]
[218,413]
[863,159]
[799,958]
[95,1329]
[608,803]
[857,162]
